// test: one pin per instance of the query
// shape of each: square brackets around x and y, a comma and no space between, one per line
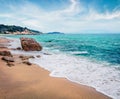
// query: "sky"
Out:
[68,16]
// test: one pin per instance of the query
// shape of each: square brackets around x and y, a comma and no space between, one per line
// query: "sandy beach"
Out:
[32,82]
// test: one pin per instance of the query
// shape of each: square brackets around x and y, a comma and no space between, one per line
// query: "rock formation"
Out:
[29,44]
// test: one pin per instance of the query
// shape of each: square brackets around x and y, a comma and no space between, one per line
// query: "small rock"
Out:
[13,48]
[25,57]
[18,48]
[46,54]
[38,56]
[21,56]
[28,63]
[10,64]
[5,53]
[8,58]
[31,57]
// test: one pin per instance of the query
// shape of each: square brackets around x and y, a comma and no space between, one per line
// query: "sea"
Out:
[88,59]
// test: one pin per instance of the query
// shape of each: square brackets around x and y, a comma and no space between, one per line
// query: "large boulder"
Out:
[29,44]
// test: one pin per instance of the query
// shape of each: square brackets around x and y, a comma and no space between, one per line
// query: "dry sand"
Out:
[32,82]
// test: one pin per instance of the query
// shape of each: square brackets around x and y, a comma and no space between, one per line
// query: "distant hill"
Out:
[12,29]
[55,33]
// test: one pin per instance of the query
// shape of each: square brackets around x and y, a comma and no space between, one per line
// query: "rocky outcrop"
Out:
[38,56]
[5,53]
[29,44]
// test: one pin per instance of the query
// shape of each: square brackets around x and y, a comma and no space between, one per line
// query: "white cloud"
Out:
[68,19]
[73,9]
[6,15]
[94,15]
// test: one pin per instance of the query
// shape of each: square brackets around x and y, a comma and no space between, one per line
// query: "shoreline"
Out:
[28,81]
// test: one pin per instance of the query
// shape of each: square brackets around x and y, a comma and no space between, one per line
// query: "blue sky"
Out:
[69,16]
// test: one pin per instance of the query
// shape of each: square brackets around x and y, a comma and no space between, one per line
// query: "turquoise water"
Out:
[101,47]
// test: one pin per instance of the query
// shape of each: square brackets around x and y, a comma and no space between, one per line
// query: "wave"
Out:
[104,78]
[79,52]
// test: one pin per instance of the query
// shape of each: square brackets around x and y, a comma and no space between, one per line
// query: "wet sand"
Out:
[33,82]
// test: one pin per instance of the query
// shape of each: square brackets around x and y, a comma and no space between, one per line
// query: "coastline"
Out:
[33,82]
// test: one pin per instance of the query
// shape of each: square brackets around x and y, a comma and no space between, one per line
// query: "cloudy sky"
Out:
[69,16]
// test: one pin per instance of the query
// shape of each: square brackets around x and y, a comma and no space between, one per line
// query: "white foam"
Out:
[101,76]
[15,43]
[79,52]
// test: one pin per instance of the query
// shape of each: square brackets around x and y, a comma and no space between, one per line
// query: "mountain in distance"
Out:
[12,29]
[55,33]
